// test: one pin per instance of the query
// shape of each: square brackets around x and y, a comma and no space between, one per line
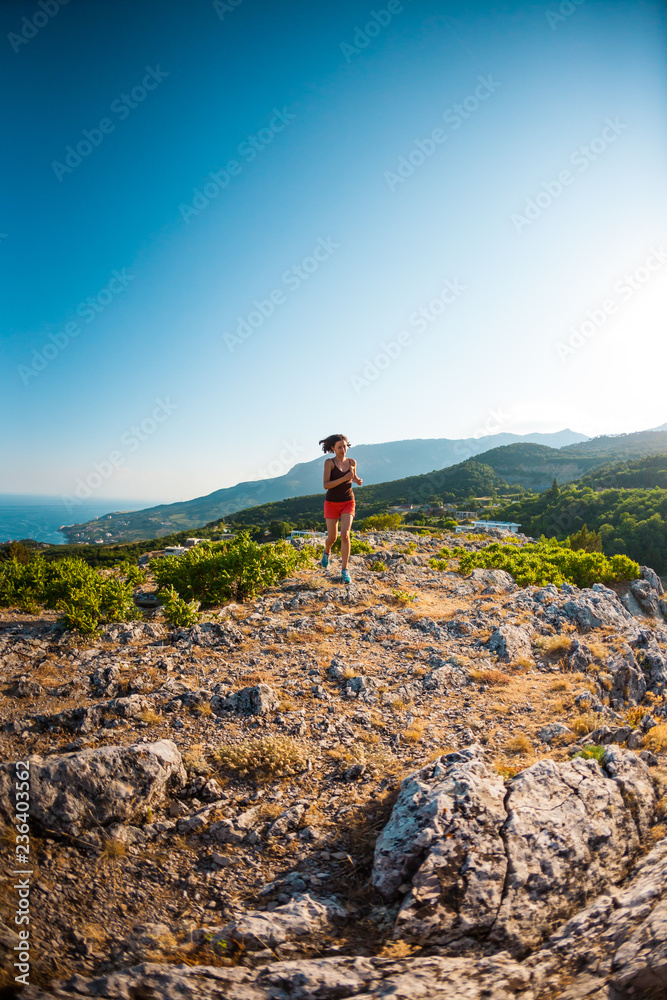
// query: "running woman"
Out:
[339,474]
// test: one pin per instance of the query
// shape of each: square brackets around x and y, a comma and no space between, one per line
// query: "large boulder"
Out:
[443,838]
[482,860]
[573,828]
[74,792]
[589,608]
[646,596]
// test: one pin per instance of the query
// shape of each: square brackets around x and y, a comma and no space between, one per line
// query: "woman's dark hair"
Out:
[328,443]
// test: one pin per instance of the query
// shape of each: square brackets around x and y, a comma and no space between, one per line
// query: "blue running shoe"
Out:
[325,560]
[346,576]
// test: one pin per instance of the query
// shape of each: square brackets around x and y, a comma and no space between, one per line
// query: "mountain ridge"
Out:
[378,462]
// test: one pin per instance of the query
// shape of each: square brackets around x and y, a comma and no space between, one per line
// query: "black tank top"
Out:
[342,493]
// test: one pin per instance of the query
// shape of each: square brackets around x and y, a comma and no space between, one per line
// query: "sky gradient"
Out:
[279,221]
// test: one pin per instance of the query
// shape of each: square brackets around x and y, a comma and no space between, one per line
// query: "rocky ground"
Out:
[363,791]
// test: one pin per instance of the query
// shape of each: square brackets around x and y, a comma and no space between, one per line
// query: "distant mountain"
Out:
[535,466]
[378,463]
[455,484]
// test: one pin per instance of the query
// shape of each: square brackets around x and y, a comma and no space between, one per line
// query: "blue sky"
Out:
[452,217]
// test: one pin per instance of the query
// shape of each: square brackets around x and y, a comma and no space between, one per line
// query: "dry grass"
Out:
[150,716]
[113,849]
[599,650]
[415,731]
[490,676]
[397,949]
[554,646]
[657,832]
[522,663]
[519,745]
[263,758]
[587,722]
[560,685]
[656,739]
[195,762]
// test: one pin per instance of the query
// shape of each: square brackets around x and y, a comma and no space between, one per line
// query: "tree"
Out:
[588,541]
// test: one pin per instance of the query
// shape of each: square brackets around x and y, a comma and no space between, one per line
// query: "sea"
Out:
[40,517]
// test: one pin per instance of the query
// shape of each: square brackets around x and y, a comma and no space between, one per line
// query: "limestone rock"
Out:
[77,791]
[646,597]
[651,578]
[510,643]
[256,700]
[444,837]
[105,682]
[651,661]
[570,832]
[509,863]
[303,916]
[493,581]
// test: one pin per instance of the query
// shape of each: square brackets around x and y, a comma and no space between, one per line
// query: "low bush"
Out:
[264,757]
[178,612]
[71,586]
[383,522]
[236,570]
[592,752]
[543,562]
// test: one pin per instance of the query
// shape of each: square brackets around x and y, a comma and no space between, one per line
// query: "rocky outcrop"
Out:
[572,829]
[90,788]
[484,861]
[443,840]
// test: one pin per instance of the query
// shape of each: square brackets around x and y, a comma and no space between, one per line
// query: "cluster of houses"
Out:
[179,550]
[449,509]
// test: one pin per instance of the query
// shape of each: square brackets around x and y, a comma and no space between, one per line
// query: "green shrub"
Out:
[357,547]
[592,752]
[548,561]
[178,612]
[215,572]
[378,566]
[383,522]
[588,541]
[71,586]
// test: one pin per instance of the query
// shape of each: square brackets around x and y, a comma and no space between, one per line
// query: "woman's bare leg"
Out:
[332,533]
[345,525]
